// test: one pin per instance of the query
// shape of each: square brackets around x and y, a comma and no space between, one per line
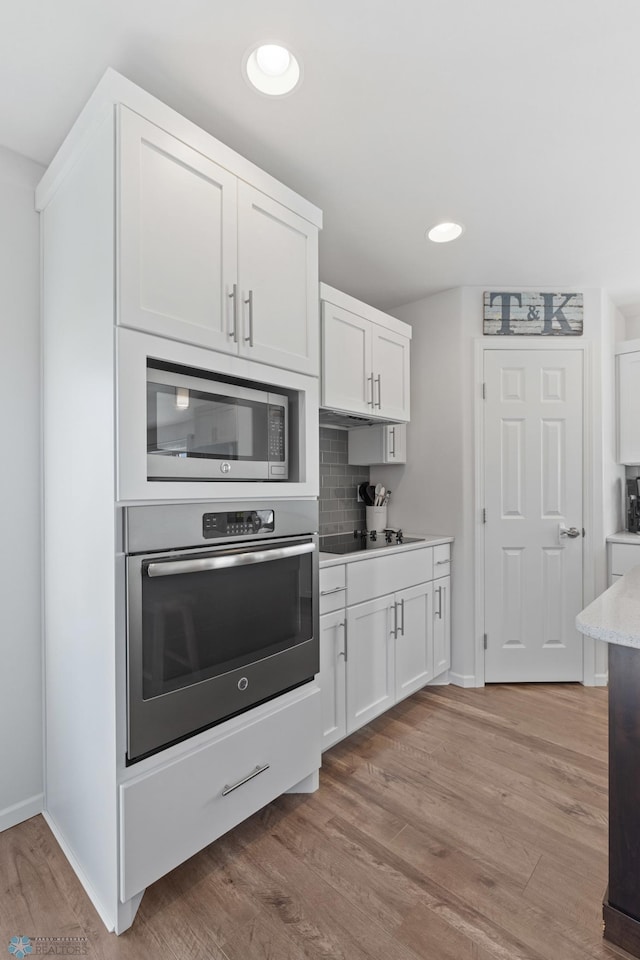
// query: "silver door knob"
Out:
[571,532]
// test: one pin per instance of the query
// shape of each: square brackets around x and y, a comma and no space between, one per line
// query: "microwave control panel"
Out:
[276,433]
[237,522]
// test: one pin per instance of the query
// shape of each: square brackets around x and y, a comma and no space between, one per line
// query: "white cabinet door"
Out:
[441,625]
[332,677]
[370,661]
[347,383]
[396,443]
[414,642]
[177,234]
[278,283]
[390,366]
[629,408]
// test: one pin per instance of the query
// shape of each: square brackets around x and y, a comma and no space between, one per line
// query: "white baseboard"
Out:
[11,816]
[105,916]
[462,679]
[601,679]
[440,681]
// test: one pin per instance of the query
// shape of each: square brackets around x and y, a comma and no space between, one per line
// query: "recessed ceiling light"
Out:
[444,232]
[272,69]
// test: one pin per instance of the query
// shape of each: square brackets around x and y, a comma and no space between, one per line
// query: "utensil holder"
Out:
[376,518]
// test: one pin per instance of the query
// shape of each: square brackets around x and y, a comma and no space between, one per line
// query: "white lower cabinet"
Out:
[441,625]
[381,649]
[370,661]
[333,654]
[622,558]
[414,640]
[173,811]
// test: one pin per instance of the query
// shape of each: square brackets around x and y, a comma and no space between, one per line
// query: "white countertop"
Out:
[615,615]
[625,537]
[333,559]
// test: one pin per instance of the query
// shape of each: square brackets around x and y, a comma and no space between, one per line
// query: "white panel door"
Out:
[177,236]
[533,491]
[629,408]
[414,642]
[278,281]
[332,678]
[370,664]
[390,365]
[441,625]
[347,382]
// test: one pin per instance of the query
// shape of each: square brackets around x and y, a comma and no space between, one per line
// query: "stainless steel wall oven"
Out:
[222,613]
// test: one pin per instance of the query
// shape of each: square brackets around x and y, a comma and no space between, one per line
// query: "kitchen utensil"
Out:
[380,494]
[386,498]
[371,494]
[364,496]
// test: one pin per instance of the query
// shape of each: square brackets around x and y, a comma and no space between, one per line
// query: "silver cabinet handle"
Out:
[438,562]
[392,431]
[344,653]
[168,568]
[325,593]
[402,612]
[394,631]
[379,382]
[249,300]
[230,787]
[370,402]
[439,610]
[234,296]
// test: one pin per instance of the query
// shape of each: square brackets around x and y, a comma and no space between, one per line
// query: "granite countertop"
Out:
[625,537]
[333,559]
[614,616]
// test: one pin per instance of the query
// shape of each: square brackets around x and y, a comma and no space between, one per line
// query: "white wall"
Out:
[20,556]
[632,331]
[434,493]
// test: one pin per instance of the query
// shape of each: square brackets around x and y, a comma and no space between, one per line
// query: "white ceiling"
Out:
[518,118]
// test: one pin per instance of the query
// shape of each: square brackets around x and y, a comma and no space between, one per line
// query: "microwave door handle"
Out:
[169,568]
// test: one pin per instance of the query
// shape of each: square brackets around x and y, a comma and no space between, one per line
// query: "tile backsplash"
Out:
[340,511]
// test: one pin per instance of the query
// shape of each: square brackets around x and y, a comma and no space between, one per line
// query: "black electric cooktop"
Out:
[348,543]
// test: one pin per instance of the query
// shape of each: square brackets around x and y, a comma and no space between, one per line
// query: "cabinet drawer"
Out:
[170,813]
[624,556]
[442,560]
[332,589]
[367,579]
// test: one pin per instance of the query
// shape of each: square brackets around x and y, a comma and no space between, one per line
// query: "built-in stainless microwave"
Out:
[212,429]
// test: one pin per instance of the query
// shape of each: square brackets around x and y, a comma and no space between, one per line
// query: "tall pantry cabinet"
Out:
[148,224]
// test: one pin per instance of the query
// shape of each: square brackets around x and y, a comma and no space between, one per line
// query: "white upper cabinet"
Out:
[278,283]
[347,382]
[629,403]
[208,259]
[365,359]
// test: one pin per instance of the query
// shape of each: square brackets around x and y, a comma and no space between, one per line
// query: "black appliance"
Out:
[222,613]
[633,505]
[359,540]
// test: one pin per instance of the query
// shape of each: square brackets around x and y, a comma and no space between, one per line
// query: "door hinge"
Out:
[484,391]
[484,640]
[484,514]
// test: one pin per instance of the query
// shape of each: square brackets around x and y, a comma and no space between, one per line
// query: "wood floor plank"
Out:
[462,825]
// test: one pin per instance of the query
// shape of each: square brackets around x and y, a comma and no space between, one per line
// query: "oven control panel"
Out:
[237,523]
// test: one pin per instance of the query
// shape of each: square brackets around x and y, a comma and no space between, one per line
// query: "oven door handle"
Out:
[169,568]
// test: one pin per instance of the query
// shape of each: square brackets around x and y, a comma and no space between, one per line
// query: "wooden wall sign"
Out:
[532,314]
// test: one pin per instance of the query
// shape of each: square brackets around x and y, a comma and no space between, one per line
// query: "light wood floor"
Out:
[461,825]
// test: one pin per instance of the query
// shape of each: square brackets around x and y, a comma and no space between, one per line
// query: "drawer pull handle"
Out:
[325,593]
[230,787]
[438,562]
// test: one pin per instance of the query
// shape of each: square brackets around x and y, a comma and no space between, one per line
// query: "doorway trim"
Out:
[525,343]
